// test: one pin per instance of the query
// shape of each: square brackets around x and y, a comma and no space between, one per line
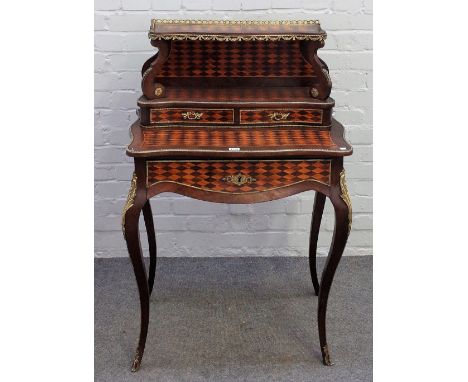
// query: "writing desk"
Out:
[237,112]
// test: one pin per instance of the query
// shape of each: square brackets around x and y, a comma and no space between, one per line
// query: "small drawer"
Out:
[276,116]
[238,176]
[191,116]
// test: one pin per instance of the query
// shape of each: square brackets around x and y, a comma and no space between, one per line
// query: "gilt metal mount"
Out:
[276,116]
[239,179]
[346,198]
[130,200]
[192,115]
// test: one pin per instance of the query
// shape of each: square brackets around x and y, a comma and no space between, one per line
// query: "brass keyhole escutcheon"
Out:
[239,179]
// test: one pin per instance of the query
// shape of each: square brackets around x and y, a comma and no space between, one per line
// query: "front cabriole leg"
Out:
[341,201]
[130,217]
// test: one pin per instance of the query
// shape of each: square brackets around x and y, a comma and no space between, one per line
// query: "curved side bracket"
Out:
[148,63]
[322,88]
[150,69]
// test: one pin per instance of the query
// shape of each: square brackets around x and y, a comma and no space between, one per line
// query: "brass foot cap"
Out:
[327,362]
[136,363]
[326,356]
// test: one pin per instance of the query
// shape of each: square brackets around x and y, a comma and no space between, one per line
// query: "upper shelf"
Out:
[236,30]
[240,97]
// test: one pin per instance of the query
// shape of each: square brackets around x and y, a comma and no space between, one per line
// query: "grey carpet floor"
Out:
[233,319]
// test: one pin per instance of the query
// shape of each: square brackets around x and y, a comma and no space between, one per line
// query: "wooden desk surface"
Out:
[238,142]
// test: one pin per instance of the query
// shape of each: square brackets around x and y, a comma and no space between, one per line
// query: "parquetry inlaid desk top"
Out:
[224,142]
[236,112]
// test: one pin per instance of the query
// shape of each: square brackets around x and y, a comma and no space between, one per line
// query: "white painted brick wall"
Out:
[187,227]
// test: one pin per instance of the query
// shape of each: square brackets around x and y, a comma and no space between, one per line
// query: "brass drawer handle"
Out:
[192,115]
[239,179]
[279,116]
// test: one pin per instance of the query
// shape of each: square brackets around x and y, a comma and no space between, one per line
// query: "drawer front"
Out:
[275,116]
[238,177]
[192,116]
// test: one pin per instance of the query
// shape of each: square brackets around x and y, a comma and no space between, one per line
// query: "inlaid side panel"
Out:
[276,116]
[172,115]
[238,176]
[235,59]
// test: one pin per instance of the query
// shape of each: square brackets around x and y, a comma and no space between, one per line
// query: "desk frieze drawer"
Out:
[276,116]
[238,177]
[192,116]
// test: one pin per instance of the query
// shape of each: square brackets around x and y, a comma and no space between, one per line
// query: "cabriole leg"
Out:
[130,217]
[319,203]
[148,215]
[342,204]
